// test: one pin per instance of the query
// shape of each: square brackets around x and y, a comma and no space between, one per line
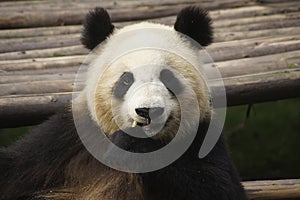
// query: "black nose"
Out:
[150,113]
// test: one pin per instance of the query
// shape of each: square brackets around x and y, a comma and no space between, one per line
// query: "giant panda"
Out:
[53,163]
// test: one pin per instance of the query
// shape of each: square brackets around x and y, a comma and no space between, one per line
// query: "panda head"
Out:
[131,84]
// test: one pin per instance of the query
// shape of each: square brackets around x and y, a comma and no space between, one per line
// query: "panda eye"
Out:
[124,83]
[170,81]
[127,79]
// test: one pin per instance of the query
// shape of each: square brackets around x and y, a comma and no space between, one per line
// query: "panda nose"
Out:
[150,113]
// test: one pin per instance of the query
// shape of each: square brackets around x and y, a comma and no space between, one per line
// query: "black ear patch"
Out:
[195,23]
[97,27]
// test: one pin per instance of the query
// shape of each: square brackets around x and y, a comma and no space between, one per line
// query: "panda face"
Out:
[142,89]
[148,97]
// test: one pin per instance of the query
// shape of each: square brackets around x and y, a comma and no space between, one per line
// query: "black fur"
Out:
[170,81]
[38,163]
[195,23]
[97,27]
[133,144]
[123,84]
[38,160]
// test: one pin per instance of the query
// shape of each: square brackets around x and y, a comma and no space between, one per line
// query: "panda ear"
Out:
[195,23]
[96,28]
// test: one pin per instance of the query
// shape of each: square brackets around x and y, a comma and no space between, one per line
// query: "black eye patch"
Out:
[123,84]
[170,81]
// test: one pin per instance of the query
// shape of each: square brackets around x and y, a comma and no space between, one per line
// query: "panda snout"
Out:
[150,113]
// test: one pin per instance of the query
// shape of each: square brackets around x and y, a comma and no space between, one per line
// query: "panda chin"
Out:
[153,129]
[149,128]
[131,143]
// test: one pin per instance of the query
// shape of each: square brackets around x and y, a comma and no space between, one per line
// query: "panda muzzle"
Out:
[148,114]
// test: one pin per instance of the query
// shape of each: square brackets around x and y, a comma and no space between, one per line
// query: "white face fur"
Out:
[144,91]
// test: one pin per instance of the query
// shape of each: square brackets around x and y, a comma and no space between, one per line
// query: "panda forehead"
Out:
[146,73]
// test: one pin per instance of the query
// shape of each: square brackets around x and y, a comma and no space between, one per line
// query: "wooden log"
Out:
[216,16]
[59,40]
[230,36]
[249,49]
[253,20]
[76,5]
[240,12]
[220,18]
[35,18]
[254,11]
[22,44]
[250,89]
[273,189]
[73,39]
[39,31]
[34,73]
[61,17]
[41,63]
[31,110]
[21,78]
[259,64]
[14,110]
[43,53]
[36,87]
[263,25]
[218,51]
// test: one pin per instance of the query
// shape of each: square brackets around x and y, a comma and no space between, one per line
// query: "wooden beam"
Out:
[22,111]
[273,189]
[42,63]
[221,19]
[251,89]
[44,53]
[247,48]
[35,17]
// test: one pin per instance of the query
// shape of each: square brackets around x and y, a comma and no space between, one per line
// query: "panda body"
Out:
[142,87]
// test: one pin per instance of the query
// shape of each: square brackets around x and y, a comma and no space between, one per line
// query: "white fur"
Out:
[111,59]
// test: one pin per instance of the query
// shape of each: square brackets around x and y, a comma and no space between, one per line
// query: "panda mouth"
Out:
[141,124]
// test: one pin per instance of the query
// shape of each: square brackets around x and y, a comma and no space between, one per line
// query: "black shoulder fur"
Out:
[52,158]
